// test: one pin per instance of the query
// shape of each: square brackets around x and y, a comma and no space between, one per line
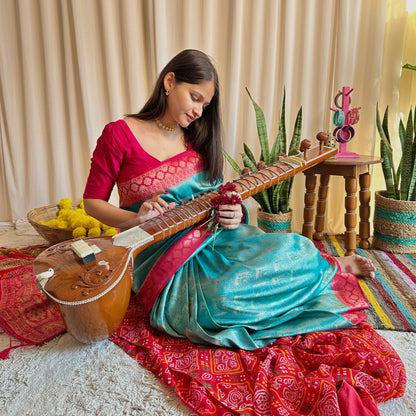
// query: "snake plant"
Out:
[400,183]
[276,198]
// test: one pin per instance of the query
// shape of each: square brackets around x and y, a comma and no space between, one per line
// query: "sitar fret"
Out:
[258,184]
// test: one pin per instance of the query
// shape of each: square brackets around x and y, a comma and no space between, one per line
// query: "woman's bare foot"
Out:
[355,264]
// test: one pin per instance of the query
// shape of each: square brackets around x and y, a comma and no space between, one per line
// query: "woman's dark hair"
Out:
[193,67]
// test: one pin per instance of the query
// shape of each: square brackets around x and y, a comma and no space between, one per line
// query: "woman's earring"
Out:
[167,92]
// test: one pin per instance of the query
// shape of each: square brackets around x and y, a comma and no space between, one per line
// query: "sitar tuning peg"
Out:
[321,136]
[304,146]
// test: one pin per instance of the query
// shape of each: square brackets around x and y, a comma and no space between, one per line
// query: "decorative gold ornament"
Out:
[165,127]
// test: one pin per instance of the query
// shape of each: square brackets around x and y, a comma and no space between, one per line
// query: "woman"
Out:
[236,287]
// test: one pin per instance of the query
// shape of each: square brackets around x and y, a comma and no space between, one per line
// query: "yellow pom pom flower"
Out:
[65,214]
[94,232]
[91,222]
[81,223]
[52,223]
[110,231]
[65,203]
[62,224]
[79,220]
[79,232]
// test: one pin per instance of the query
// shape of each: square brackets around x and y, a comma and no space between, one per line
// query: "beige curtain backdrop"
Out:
[68,67]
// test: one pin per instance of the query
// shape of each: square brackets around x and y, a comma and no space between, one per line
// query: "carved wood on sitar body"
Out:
[93,297]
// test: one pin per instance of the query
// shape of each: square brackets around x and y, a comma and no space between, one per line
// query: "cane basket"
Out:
[52,234]
[394,224]
[274,223]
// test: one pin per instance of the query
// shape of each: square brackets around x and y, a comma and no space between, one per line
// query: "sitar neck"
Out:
[199,208]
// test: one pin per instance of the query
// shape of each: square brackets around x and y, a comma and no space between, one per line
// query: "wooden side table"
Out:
[351,169]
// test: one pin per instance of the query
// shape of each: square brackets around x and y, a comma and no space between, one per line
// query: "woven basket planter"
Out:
[52,234]
[274,223]
[394,224]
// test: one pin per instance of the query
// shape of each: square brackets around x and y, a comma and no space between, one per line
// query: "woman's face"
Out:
[186,102]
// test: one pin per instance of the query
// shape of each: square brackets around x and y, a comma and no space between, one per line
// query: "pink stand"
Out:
[343,152]
[346,91]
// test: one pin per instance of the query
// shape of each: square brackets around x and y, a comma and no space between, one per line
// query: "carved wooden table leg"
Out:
[365,196]
[350,237]
[309,209]
[321,208]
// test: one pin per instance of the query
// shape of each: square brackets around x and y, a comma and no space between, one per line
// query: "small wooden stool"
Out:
[351,169]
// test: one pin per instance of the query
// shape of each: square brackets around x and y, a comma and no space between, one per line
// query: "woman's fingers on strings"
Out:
[158,202]
[171,205]
[161,206]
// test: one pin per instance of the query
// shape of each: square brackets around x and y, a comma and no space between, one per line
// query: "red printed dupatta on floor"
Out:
[321,373]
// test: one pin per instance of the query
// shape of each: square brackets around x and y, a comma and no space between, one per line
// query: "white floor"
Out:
[64,377]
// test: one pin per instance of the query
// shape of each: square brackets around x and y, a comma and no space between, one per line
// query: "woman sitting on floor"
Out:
[247,289]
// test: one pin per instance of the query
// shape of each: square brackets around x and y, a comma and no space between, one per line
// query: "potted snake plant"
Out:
[395,207]
[274,213]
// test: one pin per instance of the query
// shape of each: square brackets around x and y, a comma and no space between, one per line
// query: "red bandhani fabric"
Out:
[13,261]
[351,404]
[301,375]
[322,373]
[25,312]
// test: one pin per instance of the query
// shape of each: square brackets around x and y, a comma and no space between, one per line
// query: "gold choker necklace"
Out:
[165,127]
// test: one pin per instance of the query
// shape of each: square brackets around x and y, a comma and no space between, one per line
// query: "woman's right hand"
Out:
[154,207]
[120,218]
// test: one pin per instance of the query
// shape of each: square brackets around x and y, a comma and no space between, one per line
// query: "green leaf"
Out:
[261,131]
[231,161]
[248,163]
[282,124]
[412,184]
[249,154]
[285,194]
[276,198]
[407,159]
[386,152]
[386,125]
[414,122]
[408,66]
[295,142]
[276,148]
[263,200]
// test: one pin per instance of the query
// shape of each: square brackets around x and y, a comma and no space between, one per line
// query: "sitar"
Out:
[93,296]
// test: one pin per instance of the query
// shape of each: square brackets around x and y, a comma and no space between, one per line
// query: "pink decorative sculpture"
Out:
[344,118]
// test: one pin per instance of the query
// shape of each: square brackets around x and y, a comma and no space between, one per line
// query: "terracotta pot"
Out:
[394,224]
[274,223]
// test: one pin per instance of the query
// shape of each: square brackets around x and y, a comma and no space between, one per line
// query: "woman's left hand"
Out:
[229,216]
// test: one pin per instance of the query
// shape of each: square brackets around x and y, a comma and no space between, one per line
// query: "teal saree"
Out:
[239,288]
